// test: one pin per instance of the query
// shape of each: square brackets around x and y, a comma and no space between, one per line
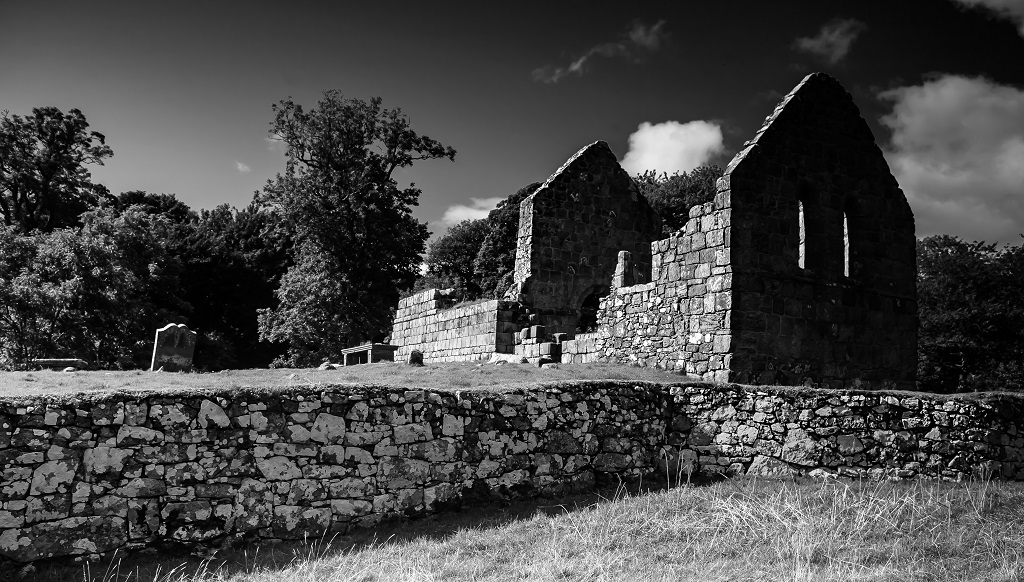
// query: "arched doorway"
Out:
[588,310]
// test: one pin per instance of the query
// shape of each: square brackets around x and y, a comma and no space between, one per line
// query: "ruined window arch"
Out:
[588,310]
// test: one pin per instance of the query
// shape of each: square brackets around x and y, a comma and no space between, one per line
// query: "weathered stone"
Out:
[296,522]
[66,537]
[142,487]
[410,433]
[47,508]
[328,428]
[611,462]
[769,467]
[211,414]
[563,443]
[53,476]
[849,444]
[128,436]
[399,473]
[278,469]
[106,462]
[347,509]
[800,449]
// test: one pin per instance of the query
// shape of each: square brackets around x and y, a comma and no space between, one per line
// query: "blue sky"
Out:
[183,91]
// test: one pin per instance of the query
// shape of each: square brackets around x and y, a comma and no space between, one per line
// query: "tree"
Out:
[233,264]
[971,311]
[95,292]
[43,180]
[496,261]
[451,257]
[356,243]
[673,196]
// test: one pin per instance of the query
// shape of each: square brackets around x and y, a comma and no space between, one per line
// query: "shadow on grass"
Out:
[162,565]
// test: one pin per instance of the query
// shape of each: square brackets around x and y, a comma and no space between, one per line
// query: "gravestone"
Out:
[173,348]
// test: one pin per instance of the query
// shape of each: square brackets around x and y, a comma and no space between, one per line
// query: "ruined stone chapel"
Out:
[802,270]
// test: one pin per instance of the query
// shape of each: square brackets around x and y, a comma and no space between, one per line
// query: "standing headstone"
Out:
[173,348]
[415,358]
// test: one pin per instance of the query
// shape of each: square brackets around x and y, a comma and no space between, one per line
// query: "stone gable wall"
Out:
[796,325]
[429,323]
[572,229]
[681,319]
[124,470]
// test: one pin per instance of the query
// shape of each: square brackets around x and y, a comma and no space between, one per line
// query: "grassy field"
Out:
[741,529]
[451,376]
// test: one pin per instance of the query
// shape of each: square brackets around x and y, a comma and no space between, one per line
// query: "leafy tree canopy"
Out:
[95,292]
[44,183]
[971,310]
[356,243]
[496,260]
[450,258]
[673,196]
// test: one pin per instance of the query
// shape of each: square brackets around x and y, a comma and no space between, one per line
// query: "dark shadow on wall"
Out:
[155,564]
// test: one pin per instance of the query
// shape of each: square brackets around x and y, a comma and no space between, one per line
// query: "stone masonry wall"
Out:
[681,319]
[572,229]
[129,470]
[429,323]
[126,470]
[816,324]
[738,429]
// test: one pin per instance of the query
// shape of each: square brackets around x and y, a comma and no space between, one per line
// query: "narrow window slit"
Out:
[846,246]
[803,237]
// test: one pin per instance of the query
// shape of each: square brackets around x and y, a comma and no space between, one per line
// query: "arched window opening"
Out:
[588,311]
[846,246]
[803,238]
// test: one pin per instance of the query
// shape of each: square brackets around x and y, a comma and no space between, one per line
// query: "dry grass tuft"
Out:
[740,529]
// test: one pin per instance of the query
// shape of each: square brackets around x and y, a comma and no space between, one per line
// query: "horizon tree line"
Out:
[318,259]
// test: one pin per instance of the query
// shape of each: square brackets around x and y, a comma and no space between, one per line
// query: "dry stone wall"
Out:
[123,471]
[738,430]
[429,323]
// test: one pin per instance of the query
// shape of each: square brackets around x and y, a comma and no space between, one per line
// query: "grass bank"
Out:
[741,529]
[448,376]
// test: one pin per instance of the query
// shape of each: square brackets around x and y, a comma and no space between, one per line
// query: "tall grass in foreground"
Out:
[735,530]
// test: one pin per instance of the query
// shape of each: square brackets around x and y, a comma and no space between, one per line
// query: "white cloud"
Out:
[638,39]
[274,144]
[478,209]
[834,39]
[672,146]
[242,168]
[1012,10]
[958,153]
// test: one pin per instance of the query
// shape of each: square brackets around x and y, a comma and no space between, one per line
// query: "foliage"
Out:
[43,180]
[673,196]
[235,260]
[496,261]
[356,243]
[971,310]
[231,261]
[451,257]
[95,292]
